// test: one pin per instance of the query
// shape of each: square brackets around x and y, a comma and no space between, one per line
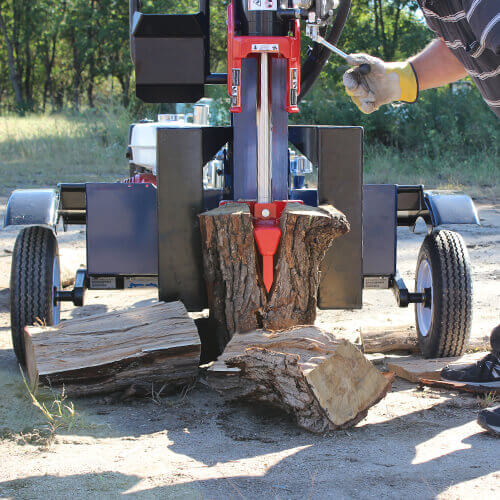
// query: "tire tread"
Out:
[31,282]
[451,273]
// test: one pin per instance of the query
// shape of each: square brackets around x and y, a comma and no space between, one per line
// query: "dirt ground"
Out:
[413,444]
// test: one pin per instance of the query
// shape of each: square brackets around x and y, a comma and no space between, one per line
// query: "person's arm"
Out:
[400,81]
[436,66]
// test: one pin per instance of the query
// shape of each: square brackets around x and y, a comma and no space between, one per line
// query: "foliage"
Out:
[59,53]
[445,119]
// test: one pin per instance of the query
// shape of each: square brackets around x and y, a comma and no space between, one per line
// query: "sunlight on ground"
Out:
[445,442]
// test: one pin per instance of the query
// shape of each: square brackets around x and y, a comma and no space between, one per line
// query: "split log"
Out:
[459,386]
[323,382]
[387,339]
[144,348]
[237,297]
[413,369]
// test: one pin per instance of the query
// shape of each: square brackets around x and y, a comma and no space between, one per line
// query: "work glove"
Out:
[385,83]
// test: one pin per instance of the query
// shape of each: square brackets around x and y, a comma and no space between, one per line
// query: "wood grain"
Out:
[414,369]
[112,351]
[323,382]
[237,297]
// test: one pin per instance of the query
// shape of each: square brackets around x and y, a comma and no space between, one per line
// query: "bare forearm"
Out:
[436,66]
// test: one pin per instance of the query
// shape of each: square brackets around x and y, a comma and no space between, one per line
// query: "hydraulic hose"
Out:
[318,56]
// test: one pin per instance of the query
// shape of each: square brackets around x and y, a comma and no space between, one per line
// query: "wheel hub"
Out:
[424,286]
[56,284]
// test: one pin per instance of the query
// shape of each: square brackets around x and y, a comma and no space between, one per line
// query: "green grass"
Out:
[42,150]
[478,174]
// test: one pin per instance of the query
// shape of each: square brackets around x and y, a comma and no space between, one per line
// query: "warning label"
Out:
[102,283]
[265,47]
[262,4]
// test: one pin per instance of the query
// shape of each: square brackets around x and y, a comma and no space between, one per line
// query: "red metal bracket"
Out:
[143,178]
[241,47]
[267,233]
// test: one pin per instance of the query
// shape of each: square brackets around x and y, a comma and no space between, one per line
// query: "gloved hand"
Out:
[386,82]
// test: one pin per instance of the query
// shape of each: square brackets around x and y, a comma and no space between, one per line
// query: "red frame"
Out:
[240,47]
[267,233]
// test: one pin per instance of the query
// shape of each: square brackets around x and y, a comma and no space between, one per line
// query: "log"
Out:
[237,297]
[323,382]
[404,338]
[145,348]
[388,338]
[414,369]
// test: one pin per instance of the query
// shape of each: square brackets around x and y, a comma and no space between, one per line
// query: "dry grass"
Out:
[42,150]
[477,175]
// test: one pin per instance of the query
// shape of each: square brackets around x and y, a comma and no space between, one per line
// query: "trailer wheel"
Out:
[443,272]
[35,276]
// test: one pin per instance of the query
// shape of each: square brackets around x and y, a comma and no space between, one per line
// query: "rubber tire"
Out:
[31,287]
[450,325]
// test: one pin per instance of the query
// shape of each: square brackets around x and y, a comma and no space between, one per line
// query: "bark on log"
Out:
[324,383]
[237,297]
[144,348]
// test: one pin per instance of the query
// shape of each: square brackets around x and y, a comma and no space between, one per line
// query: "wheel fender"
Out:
[29,207]
[446,208]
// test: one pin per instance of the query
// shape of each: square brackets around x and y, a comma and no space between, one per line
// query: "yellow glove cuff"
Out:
[407,80]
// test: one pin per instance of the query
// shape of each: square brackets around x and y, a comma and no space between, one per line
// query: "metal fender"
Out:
[29,207]
[446,208]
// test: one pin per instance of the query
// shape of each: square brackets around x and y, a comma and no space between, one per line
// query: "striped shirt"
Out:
[471,30]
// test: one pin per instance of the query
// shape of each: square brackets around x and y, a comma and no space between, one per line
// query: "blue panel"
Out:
[446,208]
[379,229]
[245,133]
[280,130]
[245,136]
[122,229]
[308,196]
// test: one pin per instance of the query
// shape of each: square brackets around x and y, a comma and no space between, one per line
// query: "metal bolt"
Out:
[265,212]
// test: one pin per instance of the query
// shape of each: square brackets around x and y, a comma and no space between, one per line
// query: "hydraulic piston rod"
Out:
[264,167]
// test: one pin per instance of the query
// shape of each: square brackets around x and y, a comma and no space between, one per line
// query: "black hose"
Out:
[318,57]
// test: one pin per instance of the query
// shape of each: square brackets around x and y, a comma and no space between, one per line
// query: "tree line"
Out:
[57,54]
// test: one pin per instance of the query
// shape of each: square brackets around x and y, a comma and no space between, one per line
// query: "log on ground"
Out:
[237,297]
[145,349]
[323,382]
[414,368]
[389,338]
[383,339]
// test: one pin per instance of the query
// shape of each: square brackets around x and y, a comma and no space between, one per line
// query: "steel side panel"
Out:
[180,200]
[338,153]
[340,183]
[379,229]
[122,231]
[181,154]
